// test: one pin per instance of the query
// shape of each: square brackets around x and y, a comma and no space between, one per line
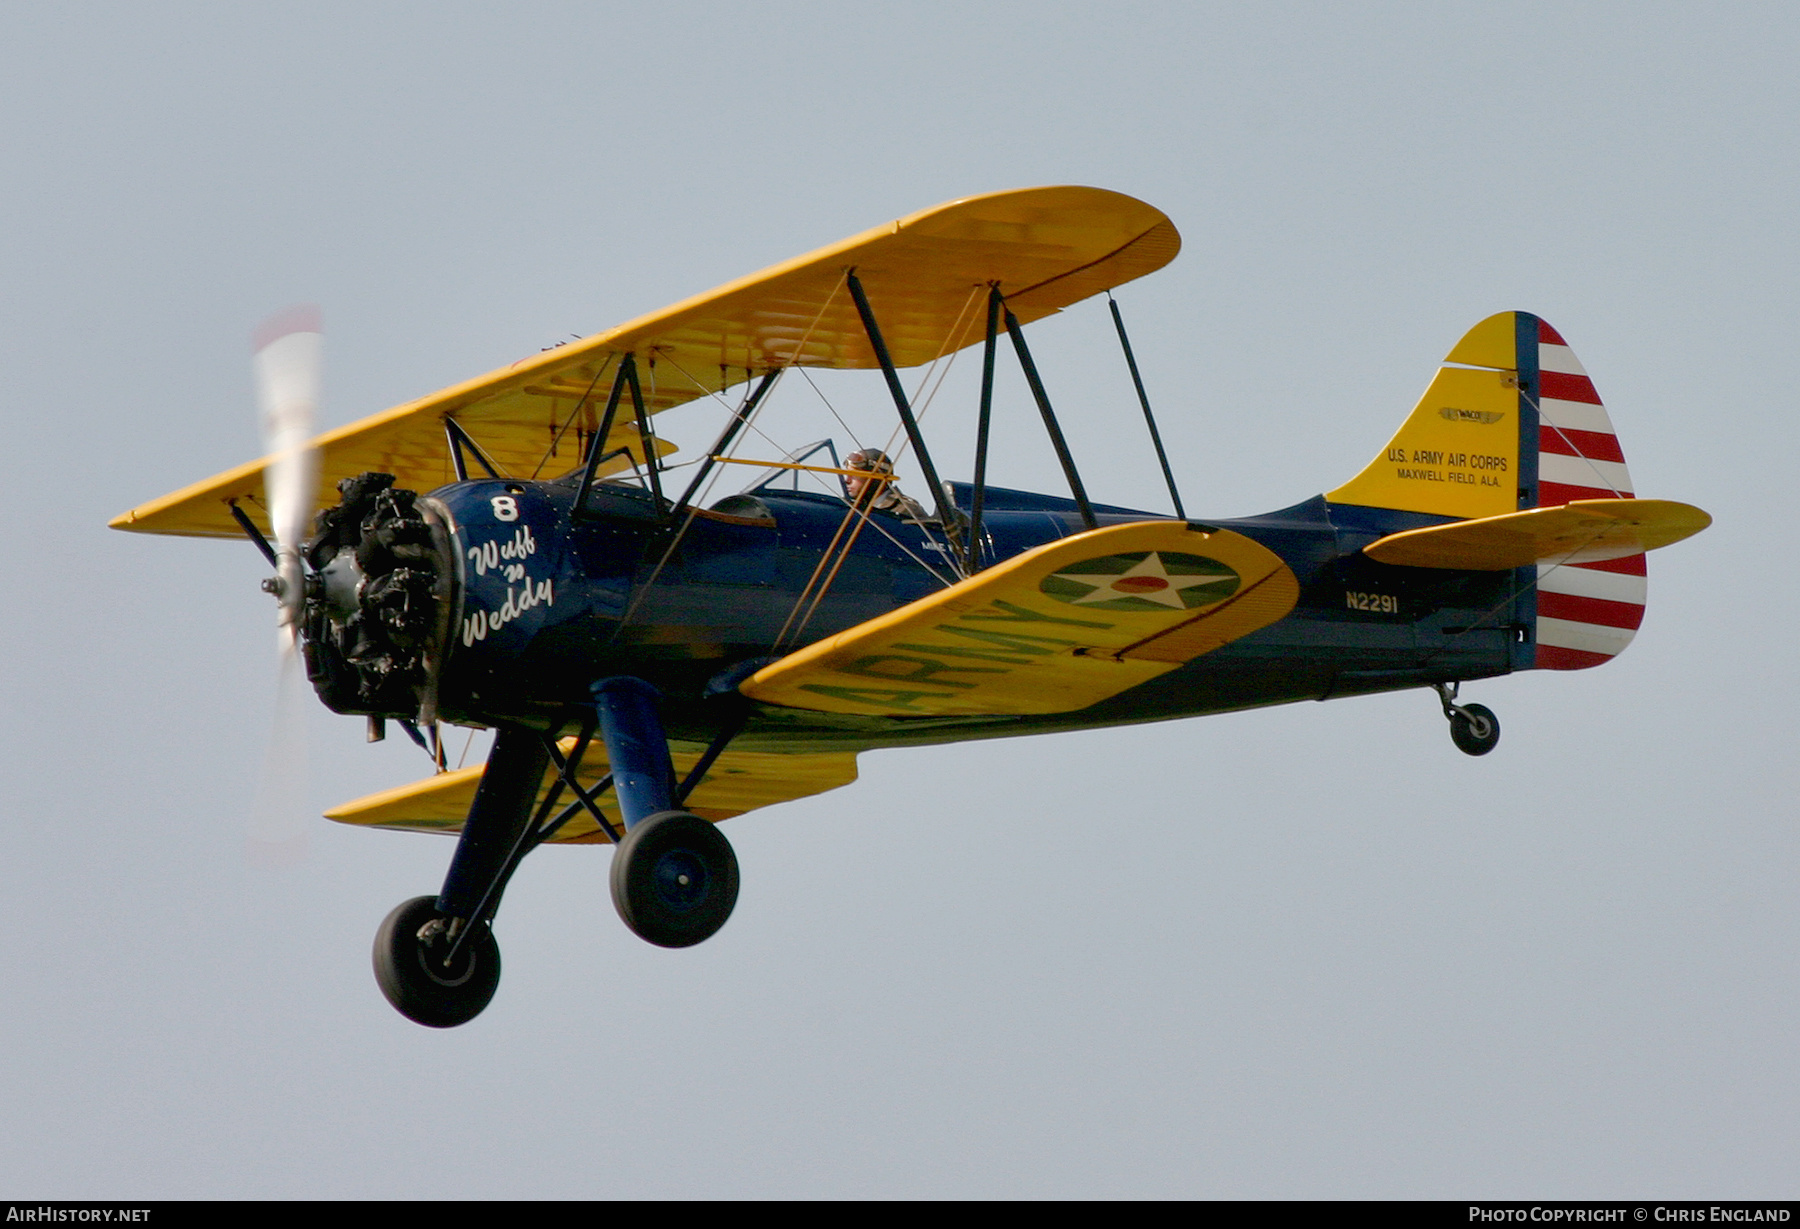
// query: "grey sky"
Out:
[1309,951]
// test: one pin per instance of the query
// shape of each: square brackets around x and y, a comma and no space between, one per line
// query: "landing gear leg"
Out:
[1473,727]
[436,959]
[674,875]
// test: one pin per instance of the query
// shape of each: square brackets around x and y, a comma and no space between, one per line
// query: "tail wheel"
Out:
[1474,729]
[410,966]
[674,879]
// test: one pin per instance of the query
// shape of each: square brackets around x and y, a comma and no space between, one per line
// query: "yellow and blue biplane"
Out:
[515,553]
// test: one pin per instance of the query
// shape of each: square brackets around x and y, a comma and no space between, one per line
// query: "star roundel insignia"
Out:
[1142,581]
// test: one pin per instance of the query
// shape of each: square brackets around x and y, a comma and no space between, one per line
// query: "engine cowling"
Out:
[379,601]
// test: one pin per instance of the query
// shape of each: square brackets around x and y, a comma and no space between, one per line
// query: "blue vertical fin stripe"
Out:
[1524,607]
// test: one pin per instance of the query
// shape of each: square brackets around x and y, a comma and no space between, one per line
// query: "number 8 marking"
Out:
[506,508]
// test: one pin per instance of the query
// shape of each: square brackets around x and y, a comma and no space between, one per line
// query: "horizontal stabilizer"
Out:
[738,781]
[1586,531]
[1053,630]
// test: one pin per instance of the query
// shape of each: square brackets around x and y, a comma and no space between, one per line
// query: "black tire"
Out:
[1474,729]
[674,879]
[416,982]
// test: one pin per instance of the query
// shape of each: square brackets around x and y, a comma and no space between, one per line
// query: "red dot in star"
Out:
[1139,584]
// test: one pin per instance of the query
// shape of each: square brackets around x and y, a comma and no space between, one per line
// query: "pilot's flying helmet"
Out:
[872,459]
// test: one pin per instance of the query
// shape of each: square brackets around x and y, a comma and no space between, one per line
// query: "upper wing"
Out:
[1586,531]
[738,781]
[925,274]
[1052,630]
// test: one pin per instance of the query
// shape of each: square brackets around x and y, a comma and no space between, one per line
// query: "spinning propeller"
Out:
[287,364]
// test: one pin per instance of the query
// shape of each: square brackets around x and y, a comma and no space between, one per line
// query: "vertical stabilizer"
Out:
[1511,421]
[1466,449]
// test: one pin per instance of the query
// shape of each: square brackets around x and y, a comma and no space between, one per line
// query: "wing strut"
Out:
[745,413]
[979,496]
[1017,332]
[1144,400]
[946,513]
[625,378]
[459,440]
[598,441]
[733,725]
[646,437]
[255,534]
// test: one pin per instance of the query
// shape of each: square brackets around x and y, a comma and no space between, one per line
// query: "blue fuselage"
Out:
[548,603]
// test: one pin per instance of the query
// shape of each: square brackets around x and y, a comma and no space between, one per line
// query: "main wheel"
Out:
[674,879]
[1474,729]
[410,969]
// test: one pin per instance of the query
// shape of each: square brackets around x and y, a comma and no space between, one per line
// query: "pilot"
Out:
[881,496]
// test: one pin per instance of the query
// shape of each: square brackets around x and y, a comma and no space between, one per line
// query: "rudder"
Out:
[1586,612]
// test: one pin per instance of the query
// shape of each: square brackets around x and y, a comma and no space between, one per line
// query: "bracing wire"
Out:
[1539,573]
[848,429]
[1543,419]
[573,415]
[681,532]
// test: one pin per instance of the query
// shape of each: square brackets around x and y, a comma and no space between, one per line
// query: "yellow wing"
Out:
[1053,630]
[738,781]
[1585,531]
[925,275]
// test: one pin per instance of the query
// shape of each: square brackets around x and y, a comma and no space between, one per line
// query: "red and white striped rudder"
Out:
[1586,612]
